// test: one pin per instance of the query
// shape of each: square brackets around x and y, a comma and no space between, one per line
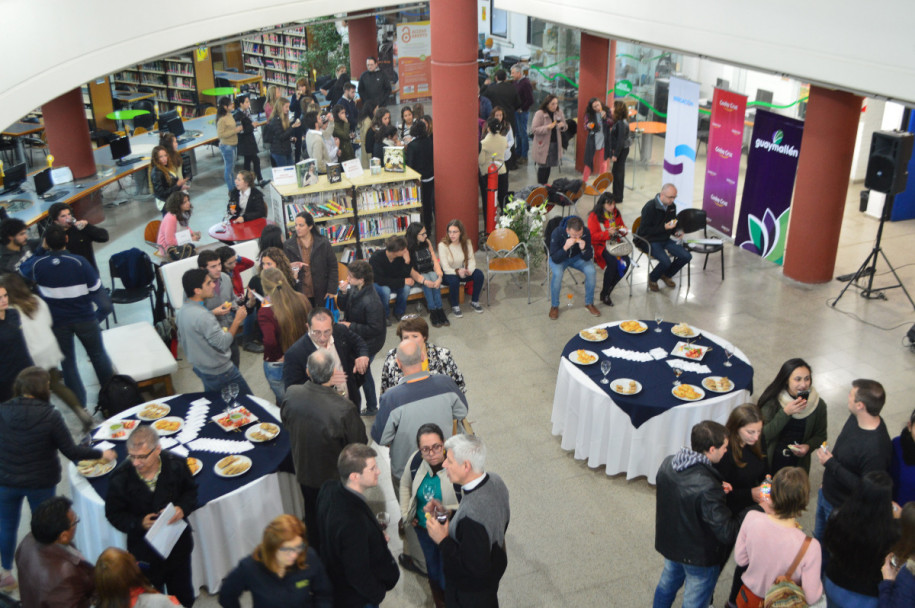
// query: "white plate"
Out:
[708,383]
[592,335]
[98,470]
[258,434]
[153,411]
[199,467]
[682,348]
[163,421]
[694,387]
[694,333]
[573,357]
[242,416]
[644,327]
[116,430]
[240,458]
[624,382]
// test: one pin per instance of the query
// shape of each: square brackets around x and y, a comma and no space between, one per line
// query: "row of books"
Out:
[387,224]
[328,208]
[375,198]
[336,232]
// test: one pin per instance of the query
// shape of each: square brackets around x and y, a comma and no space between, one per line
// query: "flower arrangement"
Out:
[526,222]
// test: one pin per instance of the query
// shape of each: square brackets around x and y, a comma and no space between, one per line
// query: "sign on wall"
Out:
[413,47]
[680,145]
[723,159]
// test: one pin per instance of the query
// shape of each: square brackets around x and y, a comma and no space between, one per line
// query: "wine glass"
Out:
[383,520]
[428,493]
[441,513]
[677,372]
[728,352]
[605,369]
[226,397]
[233,392]
[657,319]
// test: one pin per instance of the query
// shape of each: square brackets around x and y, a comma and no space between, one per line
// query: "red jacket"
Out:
[600,232]
[241,265]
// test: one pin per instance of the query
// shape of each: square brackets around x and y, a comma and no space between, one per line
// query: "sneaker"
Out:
[476,307]
[368,412]
[456,311]
[253,347]
[8,582]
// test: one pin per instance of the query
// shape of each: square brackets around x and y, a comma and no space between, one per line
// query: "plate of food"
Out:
[718,384]
[693,352]
[117,430]
[684,331]
[153,411]
[234,419]
[194,465]
[265,431]
[625,386]
[232,466]
[583,357]
[688,392]
[168,426]
[634,327]
[95,468]
[595,334]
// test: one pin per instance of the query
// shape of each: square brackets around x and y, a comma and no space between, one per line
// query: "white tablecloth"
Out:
[591,424]
[225,530]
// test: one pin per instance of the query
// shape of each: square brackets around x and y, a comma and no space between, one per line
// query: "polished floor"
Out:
[579,537]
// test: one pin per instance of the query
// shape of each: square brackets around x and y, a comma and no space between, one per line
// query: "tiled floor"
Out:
[578,537]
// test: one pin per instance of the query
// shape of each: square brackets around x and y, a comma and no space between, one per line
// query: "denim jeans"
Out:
[433,294]
[454,283]
[228,156]
[839,597]
[10,510]
[434,567]
[522,142]
[585,266]
[273,371]
[281,160]
[666,267]
[400,304]
[824,510]
[700,585]
[215,382]
[90,335]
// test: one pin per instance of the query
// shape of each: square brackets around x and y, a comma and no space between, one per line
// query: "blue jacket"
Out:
[899,593]
[68,283]
[558,239]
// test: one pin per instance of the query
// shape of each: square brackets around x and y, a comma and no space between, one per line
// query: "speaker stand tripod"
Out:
[869,267]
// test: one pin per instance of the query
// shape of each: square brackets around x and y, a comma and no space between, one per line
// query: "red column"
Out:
[68,133]
[454,89]
[830,129]
[363,43]
[592,82]
[611,73]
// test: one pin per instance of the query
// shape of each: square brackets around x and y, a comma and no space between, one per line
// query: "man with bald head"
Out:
[420,397]
[659,222]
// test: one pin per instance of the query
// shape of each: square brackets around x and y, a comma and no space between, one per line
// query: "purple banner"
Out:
[722,164]
[769,185]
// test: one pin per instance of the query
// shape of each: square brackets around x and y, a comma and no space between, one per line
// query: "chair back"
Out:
[209,111]
[640,243]
[502,239]
[537,197]
[603,181]
[692,220]
[257,104]
[139,131]
[133,267]
[548,231]
[151,232]
[342,271]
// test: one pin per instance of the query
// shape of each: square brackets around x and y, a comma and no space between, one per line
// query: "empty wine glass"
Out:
[226,397]
[677,372]
[428,493]
[657,319]
[605,369]
[728,352]
[383,520]
[233,392]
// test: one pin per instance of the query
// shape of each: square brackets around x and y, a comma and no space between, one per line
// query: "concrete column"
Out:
[592,82]
[68,133]
[363,42]
[454,89]
[821,186]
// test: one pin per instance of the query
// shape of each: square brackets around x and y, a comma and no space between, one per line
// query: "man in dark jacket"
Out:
[139,489]
[570,247]
[659,222]
[15,245]
[391,267]
[503,93]
[350,361]
[522,113]
[80,233]
[354,548]
[364,314]
[694,529]
[51,570]
[373,84]
[247,144]
[321,423]
[333,89]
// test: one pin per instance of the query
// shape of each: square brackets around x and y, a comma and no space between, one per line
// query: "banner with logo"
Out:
[413,47]
[769,184]
[722,164]
[680,145]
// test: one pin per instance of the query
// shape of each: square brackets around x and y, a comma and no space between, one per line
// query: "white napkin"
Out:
[689,366]
[194,420]
[201,401]
[167,442]
[180,450]
[105,445]
[658,353]
[628,355]
[220,446]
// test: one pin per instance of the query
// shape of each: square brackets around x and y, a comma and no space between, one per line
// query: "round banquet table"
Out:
[236,233]
[231,513]
[634,433]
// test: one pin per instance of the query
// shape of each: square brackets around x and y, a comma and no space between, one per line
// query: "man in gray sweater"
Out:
[220,303]
[207,345]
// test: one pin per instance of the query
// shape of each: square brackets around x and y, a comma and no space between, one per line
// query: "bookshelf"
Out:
[176,81]
[276,57]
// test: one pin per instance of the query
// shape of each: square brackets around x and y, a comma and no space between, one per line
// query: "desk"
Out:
[232,513]
[131,96]
[596,427]
[246,231]
[20,129]
[237,78]
[122,115]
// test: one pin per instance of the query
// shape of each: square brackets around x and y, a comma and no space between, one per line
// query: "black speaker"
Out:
[888,163]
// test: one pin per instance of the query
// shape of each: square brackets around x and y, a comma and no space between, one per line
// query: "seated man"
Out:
[391,267]
[51,570]
[659,221]
[570,246]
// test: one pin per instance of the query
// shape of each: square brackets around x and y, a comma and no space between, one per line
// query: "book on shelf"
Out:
[394,159]
[336,233]
[306,172]
[318,209]
[348,255]
[334,173]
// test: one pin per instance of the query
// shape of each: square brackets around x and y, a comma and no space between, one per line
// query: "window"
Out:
[498,21]
[535,28]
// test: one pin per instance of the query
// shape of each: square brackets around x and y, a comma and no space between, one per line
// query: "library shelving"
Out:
[276,57]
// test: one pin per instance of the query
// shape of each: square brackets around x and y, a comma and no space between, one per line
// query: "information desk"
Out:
[231,513]
[634,433]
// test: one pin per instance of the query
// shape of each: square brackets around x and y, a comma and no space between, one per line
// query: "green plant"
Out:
[326,50]
[526,222]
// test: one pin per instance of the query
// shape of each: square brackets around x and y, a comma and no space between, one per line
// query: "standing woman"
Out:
[282,319]
[228,132]
[14,355]
[794,417]
[547,123]
[280,133]
[247,143]
[455,254]
[499,113]
[312,260]
[364,315]
[598,135]
[406,123]
[426,271]
[270,102]
[165,178]
[419,157]
[492,150]
[363,127]
[381,119]
[341,132]
[605,223]
[898,587]
[902,467]
[246,202]
[618,150]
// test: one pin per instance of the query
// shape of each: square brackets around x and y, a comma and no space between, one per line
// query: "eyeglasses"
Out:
[136,457]
[432,449]
[320,334]
[76,521]
[296,549]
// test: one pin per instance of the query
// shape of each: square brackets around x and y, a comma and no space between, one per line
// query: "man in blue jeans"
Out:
[694,528]
[391,267]
[206,344]
[659,222]
[522,114]
[570,247]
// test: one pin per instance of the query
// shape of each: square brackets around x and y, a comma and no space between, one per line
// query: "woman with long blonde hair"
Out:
[282,319]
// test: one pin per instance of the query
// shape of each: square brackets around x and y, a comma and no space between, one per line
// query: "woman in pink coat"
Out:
[547,151]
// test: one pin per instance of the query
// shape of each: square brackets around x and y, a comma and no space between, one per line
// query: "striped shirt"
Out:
[67,282]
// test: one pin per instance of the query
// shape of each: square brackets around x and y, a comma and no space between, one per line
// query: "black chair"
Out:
[145,121]
[222,82]
[130,295]
[257,105]
[144,89]
[694,220]
[547,234]
[644,248]
[102,137]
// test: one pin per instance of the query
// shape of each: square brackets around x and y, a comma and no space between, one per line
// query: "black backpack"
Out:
[118,394]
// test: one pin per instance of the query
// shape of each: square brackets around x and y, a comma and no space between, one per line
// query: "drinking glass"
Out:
[728,352]
[441,513]
[605,369]
[677,372]
[657,319]
[227,398]
[428,493]
[233,392]
[569,298]
[383,520]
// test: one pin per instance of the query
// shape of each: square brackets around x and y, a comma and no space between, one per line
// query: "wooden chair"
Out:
[601,183]
[140,131]
[694,220]
[209,112]
[151,233]
[537,197]
[503,256]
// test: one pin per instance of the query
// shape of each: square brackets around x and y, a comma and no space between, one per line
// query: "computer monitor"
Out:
[165,117]
[120,148]
[43,182]
[175,126]
[13,178]
[764,95]
[721,83]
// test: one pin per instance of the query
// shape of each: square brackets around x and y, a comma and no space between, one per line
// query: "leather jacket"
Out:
[52,575]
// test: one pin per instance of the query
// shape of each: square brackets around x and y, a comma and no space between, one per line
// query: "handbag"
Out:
[331,304]
[620,248]
[748,599]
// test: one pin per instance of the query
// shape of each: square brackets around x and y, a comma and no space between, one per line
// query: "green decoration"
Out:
[325,51]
